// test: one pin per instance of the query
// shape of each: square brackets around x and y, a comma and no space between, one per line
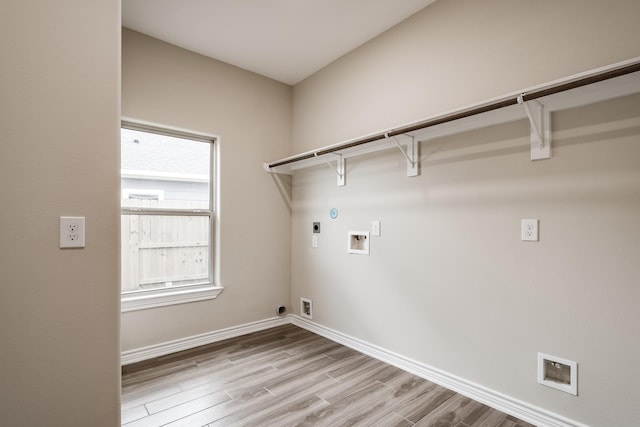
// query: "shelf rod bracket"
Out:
[339,169]
[540,121]
[411,154]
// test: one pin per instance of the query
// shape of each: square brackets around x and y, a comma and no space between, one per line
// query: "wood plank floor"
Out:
[287,376]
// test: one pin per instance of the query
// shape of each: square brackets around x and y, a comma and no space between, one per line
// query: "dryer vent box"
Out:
[306,308]
[558,373]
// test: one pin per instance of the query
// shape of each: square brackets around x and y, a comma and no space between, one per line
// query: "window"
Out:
[167,217]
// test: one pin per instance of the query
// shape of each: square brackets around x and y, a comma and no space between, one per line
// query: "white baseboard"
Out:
[156,350]
[494,399]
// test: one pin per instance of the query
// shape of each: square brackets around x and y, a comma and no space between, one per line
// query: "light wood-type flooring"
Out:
[287,376]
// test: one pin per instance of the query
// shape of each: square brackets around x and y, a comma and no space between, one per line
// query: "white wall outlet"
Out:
[375,228]
[530,230]
[72,232]
[314,241]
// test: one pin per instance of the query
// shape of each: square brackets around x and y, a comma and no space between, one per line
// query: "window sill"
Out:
[143,302]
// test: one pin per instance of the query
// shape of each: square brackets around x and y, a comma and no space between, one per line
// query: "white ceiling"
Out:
[287,40]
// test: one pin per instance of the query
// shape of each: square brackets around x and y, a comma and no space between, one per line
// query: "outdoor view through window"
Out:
[167,213]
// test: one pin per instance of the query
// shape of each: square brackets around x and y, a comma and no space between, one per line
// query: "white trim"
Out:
[492,398]
[127,192]
[163,129]
[156,350]
[143,300]
[163,176]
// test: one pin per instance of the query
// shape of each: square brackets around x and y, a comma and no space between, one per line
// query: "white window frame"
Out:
[126,194]
[146,299]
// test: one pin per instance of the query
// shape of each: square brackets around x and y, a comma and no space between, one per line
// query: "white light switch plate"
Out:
[375,228]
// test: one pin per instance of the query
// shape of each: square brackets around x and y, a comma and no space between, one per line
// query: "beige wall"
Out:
[449,283]
[456,53]
[59,309]
[251,114]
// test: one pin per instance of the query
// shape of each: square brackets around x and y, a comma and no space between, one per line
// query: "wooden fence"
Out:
[164,251]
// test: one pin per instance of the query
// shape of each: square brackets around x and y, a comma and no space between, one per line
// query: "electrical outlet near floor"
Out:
[530,230]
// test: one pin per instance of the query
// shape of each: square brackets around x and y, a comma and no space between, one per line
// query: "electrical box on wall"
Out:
[359,242]
[558,373]
[375,228]
[529,230]
[72,232]
[306,308]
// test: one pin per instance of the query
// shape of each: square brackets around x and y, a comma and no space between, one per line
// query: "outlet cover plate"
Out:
[530,230]
[72,232]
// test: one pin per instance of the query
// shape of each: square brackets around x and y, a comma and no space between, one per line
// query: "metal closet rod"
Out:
[561,87]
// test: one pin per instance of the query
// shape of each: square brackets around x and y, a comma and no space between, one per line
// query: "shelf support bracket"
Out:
[540,120]
[339,169]
[411,154]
